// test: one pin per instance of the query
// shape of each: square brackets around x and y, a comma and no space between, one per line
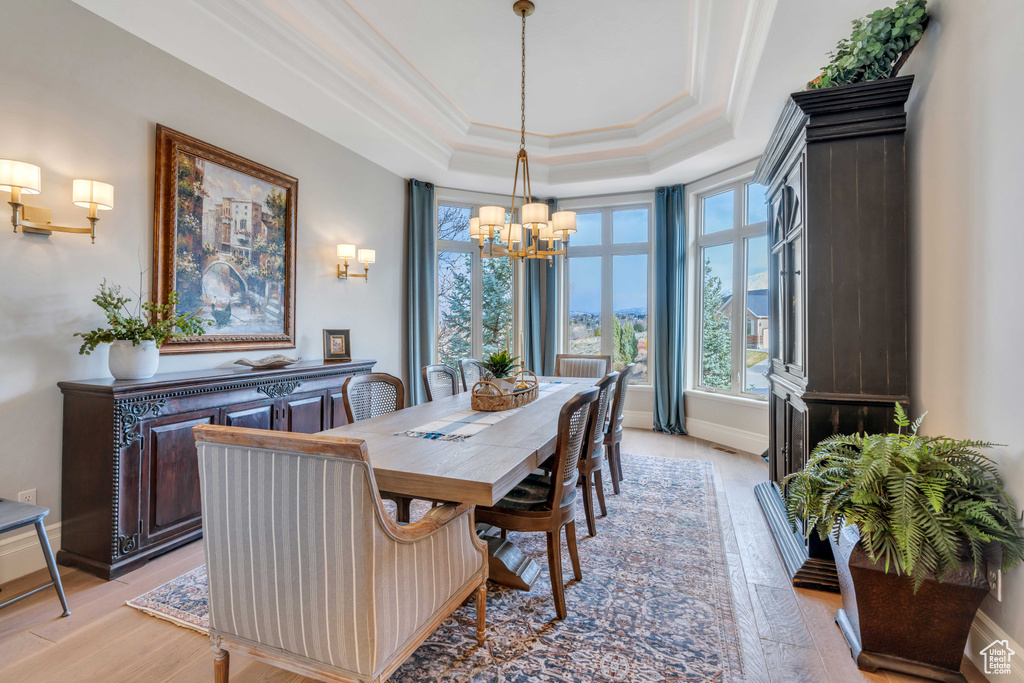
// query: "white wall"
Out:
[967,241]
[81,98]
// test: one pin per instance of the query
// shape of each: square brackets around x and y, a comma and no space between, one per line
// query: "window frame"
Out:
[466,199]
[739,237]
[607,250]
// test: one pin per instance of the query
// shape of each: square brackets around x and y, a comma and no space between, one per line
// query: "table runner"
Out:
[463,424]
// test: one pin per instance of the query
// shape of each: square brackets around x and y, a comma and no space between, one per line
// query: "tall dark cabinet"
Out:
[835,170]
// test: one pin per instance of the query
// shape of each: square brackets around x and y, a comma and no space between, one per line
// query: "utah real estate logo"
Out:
[997,657]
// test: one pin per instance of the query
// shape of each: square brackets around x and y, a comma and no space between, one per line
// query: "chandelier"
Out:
[502,237]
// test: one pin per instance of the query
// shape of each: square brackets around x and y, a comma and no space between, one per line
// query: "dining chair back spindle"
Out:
[472,372]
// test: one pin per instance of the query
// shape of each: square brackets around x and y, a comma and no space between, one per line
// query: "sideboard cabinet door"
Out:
[252,415]
[171,502]
[303,413]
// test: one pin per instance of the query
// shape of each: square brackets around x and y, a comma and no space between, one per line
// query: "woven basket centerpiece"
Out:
[504,394]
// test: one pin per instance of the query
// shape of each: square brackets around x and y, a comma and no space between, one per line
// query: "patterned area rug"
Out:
[655,602]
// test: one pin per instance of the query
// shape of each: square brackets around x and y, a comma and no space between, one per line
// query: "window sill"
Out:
[727,398]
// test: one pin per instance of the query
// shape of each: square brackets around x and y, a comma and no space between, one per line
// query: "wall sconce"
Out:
[365,256]
[20,178]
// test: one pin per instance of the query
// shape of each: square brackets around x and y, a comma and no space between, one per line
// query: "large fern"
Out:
[923,505]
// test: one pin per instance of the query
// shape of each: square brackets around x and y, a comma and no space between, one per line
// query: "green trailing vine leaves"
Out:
[923,504]
[878,47]
[148,322]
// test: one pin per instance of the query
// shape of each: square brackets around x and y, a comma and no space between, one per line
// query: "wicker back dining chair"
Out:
[581,365]
[371,395]
[613,433]
[592,459]
[547,502]
[472,372]
[308,573]
[440,381]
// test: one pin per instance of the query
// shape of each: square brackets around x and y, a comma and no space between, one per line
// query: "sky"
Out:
[223,182]
[718,216]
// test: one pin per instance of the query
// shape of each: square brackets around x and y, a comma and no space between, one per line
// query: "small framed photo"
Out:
[337,345]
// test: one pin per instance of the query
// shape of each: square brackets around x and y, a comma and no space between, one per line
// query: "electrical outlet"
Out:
[27,497]
[995,579]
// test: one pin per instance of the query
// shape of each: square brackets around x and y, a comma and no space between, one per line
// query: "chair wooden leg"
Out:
[588,506]
[613,466]
[618,460]
[221,660]
[570,542]
[403,508]
[599,488]
[481,614]
[555,569]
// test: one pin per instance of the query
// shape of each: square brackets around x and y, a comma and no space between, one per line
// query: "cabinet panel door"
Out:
[171,468]
[335,409]
[778,454]
[255,415]
[797,438]
[303,413]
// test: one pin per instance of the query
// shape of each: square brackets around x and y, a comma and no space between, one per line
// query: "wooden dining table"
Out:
[480,469]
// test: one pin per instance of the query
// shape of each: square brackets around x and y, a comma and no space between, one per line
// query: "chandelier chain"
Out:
[522,108]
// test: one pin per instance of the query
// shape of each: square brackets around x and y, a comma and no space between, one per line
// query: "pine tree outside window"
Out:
[732,311]
[475,303]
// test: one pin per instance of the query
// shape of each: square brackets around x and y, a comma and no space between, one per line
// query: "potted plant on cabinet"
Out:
[135,336]
[911,520]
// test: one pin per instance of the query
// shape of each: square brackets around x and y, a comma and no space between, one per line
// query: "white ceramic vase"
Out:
[128,361]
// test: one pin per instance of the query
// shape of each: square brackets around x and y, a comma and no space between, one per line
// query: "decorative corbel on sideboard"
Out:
[130,482]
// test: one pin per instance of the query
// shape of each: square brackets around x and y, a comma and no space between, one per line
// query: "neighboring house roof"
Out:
[757,302]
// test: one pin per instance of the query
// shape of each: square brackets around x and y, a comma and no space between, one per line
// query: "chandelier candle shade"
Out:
[491,227]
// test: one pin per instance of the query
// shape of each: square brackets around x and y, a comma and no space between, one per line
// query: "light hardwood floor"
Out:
[788,635]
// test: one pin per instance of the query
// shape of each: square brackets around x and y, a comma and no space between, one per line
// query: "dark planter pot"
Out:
[887,626]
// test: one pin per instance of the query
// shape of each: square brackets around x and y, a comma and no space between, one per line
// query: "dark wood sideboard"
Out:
[836,174]
[130,478]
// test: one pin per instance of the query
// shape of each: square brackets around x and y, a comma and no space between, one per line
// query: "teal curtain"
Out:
[669,308]
[541,312]
[421,269]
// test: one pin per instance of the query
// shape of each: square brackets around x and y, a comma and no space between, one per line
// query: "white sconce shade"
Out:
[18,174]
[86,193]
[564,222]
[346,251]
[534,214]
[492,217]
[474,228]
[367,255]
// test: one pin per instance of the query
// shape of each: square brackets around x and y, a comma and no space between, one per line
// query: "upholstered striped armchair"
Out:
[308,572]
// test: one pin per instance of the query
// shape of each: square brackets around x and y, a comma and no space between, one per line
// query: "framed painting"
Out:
[224,240]
[337,345]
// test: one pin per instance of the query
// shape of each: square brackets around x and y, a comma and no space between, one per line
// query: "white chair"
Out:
[306,570]
[580,365]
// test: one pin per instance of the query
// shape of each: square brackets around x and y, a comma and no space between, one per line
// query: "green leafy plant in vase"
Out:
[878,47]
[135,335]
[913,521]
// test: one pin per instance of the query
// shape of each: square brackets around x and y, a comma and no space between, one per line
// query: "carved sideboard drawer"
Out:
[130,482]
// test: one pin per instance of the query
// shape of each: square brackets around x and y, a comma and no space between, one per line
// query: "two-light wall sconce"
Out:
[20,178]
[347,252]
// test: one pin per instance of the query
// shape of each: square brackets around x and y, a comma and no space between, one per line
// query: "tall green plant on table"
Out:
[878,48]
[923,505]
[147,322]
[500,365]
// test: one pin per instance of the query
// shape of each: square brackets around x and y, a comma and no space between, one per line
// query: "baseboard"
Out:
[740,439]
[985,631]
[20,554]
[638,419]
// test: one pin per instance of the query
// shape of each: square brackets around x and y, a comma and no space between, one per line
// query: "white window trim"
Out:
[607,250]
[735,178]
[444,196]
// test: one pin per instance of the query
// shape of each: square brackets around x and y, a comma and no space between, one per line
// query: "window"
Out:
[607,283]
[732,248]
[474,294]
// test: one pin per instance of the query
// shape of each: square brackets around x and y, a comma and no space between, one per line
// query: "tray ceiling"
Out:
[620,95]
